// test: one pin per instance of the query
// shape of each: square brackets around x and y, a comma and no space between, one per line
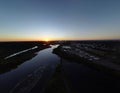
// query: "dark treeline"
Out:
[8,48]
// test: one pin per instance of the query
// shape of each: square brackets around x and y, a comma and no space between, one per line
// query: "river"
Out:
[81,77]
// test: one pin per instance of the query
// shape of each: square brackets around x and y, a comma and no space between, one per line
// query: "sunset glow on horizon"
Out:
[59,20]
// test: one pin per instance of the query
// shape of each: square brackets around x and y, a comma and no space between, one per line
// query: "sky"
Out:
[35,20]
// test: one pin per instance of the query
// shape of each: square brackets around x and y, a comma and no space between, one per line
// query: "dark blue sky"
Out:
[59,19]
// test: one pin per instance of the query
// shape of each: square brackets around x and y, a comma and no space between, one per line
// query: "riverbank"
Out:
[100,55]
[15,53]
[47,73]
[33,69]
[8,48]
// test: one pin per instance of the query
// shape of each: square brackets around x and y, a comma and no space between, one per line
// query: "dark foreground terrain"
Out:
[100,54]
[8,48]
[60,67]
[13,54]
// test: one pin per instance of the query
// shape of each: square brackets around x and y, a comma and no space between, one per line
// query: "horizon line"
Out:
[61,40]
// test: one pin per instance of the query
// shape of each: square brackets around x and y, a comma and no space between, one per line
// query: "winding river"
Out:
[81,77]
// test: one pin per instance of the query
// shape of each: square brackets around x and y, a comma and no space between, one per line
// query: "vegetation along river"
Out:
[33,76]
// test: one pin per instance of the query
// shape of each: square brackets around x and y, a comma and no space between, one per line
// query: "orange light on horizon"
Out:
[46,39]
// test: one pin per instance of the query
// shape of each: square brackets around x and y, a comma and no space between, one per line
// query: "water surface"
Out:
[81,77]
